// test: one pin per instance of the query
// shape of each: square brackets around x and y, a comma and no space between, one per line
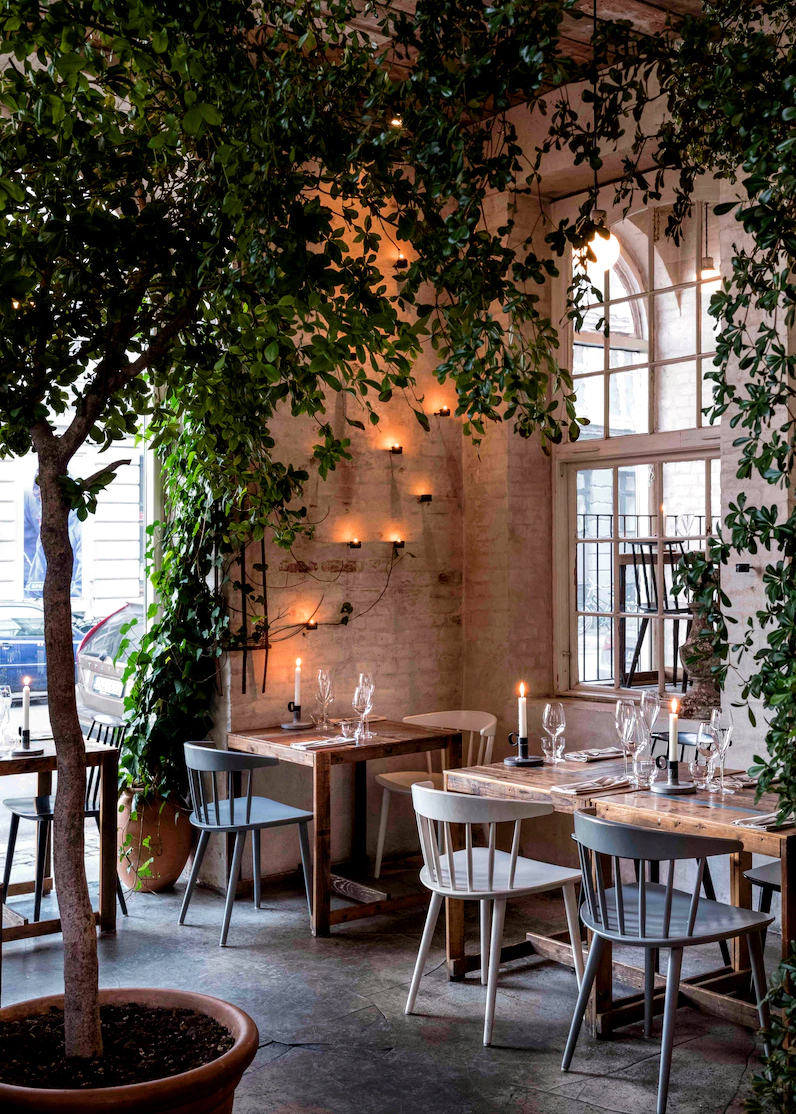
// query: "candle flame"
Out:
[522,689]
[26,680]
[298,663]
[674,707]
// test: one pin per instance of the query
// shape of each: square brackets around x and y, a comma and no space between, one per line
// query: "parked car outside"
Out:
[23,658]
[101,663]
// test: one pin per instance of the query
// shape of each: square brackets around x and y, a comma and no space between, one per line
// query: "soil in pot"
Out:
[154,845]
[140,1043]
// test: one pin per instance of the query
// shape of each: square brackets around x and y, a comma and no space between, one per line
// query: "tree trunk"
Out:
[81,1007]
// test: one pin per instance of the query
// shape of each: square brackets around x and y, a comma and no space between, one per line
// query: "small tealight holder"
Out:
[521,758]
[25,750]
[311,624]
[443,412]
[298,723]
[396,450]
[672,787]
[398,543]
[355,543]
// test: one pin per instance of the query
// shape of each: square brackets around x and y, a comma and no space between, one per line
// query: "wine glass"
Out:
[362,704]
[625,720]
[650,707]
[706,746]
[325,696]
[367,680]
[721,722]
[5,714]
[554,722]
[633,743]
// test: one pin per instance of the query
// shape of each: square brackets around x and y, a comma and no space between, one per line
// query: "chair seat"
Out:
[401,781]
[264,813]
[714,919]
[529,877]
[768,875]
[31,808]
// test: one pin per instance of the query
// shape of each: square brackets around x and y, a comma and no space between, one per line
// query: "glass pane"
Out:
[674,634]
[636,651]
[595,496]
[708,392]
[630,274]
[637,511]
[715,493]
[590,405]
[595,576]
[586,358]
[684,498]
[710,326]
[628,333]
[675,396]
[595,650]
[629,402]
[674,262]
[675,324]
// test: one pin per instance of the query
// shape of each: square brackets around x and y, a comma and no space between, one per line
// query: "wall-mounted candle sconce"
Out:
[310,625]
[443,412]
[355,543]
[396,450]
[424,498]
[401,263]
[398,544]
[396,122]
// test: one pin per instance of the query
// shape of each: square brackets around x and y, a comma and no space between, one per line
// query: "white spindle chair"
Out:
[483,874]
[476,751]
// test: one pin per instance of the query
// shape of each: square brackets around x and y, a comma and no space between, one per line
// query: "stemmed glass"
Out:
[554,722]
[325,696]
[5,715]
[706,746]
[625,720]
[649,708]
[634,746]
[721,722]
[366,679]
[362,704]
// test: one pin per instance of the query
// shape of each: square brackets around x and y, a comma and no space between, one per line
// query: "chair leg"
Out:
[589,975]
[496,943]
[669,1014]
[197,863]
[385,811]
[41,859]
[306,864]
[119,888]
[764,906]
[573,924]
[425,947]
[232,885]
[755,940]
[642,631]
[650,964]
[12,842]
[485,930]
[256,876]
[710,894]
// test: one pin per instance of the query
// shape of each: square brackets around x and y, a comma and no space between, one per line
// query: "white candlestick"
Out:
[26,708]
[674,742]
[522,710]
[297,684]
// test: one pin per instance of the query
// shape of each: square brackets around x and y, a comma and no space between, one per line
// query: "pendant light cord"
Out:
[594,97]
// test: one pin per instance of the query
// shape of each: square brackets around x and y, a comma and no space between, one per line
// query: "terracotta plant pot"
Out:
[170,842]
[206,1090]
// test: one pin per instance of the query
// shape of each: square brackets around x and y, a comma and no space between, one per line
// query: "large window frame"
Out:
[698,442]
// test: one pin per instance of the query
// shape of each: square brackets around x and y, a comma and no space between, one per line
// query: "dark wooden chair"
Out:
[645,579]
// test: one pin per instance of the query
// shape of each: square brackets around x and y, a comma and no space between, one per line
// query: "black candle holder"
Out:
[672,787]
[521,758]
[298,723]
[25,750]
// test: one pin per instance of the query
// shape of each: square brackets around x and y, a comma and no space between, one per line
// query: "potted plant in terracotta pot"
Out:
[703,653]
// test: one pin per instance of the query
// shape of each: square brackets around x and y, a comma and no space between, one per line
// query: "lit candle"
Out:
[674,742]
[297,684]
[26,704]
[522,709]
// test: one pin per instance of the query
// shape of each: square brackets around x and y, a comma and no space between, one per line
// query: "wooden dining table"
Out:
[703,813]
[16,926]
[367,897]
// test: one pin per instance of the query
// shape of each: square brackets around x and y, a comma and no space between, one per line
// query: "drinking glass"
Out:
[351,729]
[625,720]
[707,748]
[644,770]
[325,696]
[362,704]
[367,680]
[554,722]
[721,722]
[650,707]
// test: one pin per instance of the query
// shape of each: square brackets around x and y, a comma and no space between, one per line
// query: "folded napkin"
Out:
[767,822]
[594,755]
[317,744]
[577,788]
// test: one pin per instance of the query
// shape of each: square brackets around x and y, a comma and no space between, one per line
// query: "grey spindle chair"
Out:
[476,751]
[652,915]
[483,874]
[213,813]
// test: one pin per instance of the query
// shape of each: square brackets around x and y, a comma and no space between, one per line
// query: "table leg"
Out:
[454,936]
[359,850]
[453,753]
[602,995]
[322,848]
[740,895]
[44,788]
[109,795]
[788,883]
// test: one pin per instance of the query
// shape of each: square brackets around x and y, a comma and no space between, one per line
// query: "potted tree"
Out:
[192,204]
[704,652]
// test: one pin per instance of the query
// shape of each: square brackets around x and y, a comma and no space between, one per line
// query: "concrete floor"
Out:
[334,1038]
